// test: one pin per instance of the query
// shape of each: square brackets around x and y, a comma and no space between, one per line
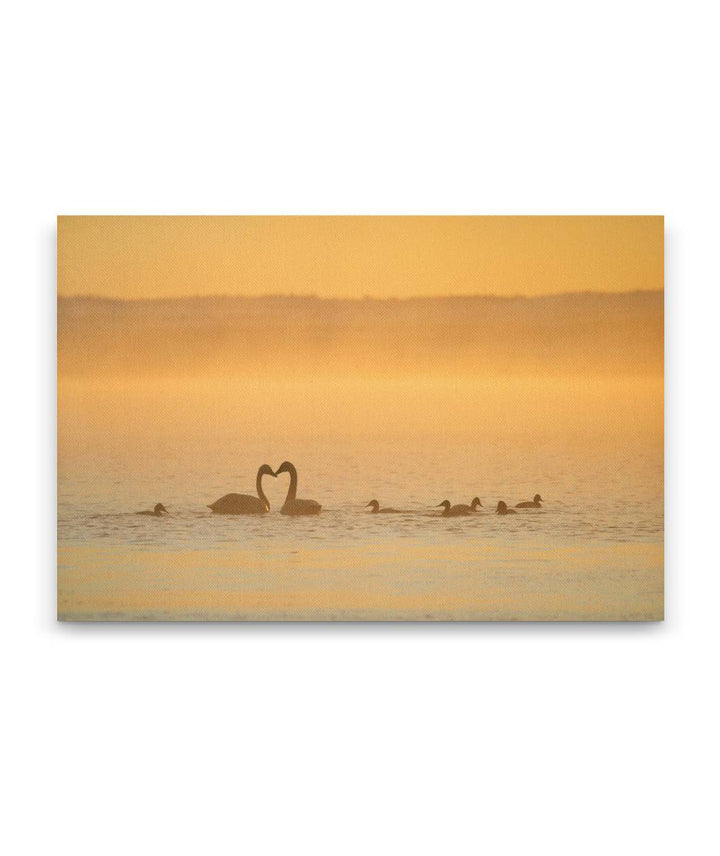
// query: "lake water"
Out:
[594,551]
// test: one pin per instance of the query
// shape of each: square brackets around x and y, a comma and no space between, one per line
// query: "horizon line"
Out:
[360,299]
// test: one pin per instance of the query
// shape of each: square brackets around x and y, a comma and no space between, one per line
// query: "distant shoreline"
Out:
[364,298]
[593,331]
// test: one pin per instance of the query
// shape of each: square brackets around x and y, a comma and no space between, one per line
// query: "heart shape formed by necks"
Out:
[293,506]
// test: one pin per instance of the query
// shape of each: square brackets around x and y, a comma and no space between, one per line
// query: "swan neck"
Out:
[293,485]
[260,492]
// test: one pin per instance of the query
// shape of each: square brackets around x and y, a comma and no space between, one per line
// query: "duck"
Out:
[375,505]
[156,512]
[536,500]
[459,510]
[296,507]
[503,509]
[242,503]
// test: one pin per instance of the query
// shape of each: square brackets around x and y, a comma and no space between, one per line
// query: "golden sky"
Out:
[136,257]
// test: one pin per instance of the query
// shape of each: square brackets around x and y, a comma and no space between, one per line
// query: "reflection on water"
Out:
[593,551]
[409,402]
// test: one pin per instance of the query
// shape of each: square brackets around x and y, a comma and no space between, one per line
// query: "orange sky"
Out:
[135,257]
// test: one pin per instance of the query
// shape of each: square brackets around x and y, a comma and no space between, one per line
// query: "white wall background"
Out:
[359,739]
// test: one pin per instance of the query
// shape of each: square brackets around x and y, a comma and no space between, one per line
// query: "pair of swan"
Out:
[241,503]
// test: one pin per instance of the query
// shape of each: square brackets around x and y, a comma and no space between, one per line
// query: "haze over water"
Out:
[406,401]
[590,445]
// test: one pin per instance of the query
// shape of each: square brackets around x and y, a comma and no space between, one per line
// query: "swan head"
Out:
[374,504]
[159,508]
[266,470]
[537,498]
[285,467]
[475,504]
[444,504]
[501,508]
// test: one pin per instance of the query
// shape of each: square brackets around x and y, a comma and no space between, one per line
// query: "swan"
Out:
[536,500]
[295,507]
[375,505]
[156,512]
[458,510]
[503,509]
[242,503]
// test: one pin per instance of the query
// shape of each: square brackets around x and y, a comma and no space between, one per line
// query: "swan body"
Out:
[156,512]
[536,500]
[459,510]
[375,505]
[296,507]
[242,503]
[503,509]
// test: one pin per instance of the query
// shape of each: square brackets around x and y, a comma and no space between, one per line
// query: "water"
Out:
[594,551]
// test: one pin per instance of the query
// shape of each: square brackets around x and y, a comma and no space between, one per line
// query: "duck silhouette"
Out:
[459,510]
[156,512]
[375,506]
[535,503]
[503,509]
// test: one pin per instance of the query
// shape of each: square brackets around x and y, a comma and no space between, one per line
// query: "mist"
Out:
[571,334]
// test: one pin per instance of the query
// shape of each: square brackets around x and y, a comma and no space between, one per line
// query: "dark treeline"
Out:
[566,334]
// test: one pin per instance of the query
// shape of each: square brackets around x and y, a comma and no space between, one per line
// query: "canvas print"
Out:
[360,418]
